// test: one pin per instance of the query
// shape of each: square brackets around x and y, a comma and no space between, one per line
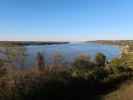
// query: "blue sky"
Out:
[66,20]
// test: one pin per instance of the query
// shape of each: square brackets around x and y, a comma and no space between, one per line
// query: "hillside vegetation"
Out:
[83,79]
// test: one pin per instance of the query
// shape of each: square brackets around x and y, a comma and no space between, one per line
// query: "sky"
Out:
[66,20]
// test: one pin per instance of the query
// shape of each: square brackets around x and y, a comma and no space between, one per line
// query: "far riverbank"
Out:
[27,43]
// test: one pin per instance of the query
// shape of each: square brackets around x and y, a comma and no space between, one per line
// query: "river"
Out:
[70,51]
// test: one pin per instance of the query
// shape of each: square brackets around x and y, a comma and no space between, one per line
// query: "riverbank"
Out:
[114,42]
[125,92]
[126,46]
[27,43]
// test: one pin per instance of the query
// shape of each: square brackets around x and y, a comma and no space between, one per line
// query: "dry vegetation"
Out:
[82,79]
[125,92]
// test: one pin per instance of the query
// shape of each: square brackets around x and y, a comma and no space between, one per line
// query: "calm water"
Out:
[70,51]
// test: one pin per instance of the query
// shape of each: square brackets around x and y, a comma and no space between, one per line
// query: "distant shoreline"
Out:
[113,42]
[27,43]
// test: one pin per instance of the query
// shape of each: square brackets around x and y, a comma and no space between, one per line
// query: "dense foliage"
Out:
[83,79]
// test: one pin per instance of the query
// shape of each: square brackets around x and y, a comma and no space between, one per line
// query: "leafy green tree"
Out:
[100,59]
[83,67]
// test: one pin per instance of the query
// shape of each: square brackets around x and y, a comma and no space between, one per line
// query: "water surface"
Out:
[70,51]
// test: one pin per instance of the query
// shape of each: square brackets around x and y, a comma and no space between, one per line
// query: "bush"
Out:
[83,61]
[3,70]
[100,59]
[118,66]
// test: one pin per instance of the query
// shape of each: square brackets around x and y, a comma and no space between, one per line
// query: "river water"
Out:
[70,51]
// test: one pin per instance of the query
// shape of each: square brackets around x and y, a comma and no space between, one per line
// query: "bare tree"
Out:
[40,61]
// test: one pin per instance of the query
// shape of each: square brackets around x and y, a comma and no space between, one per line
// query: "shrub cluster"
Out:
[86,79]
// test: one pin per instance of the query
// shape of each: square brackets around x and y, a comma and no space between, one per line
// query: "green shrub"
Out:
[100,59]
[3,70]
[118,66]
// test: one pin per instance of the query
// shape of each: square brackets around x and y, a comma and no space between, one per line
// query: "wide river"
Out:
[70,51]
